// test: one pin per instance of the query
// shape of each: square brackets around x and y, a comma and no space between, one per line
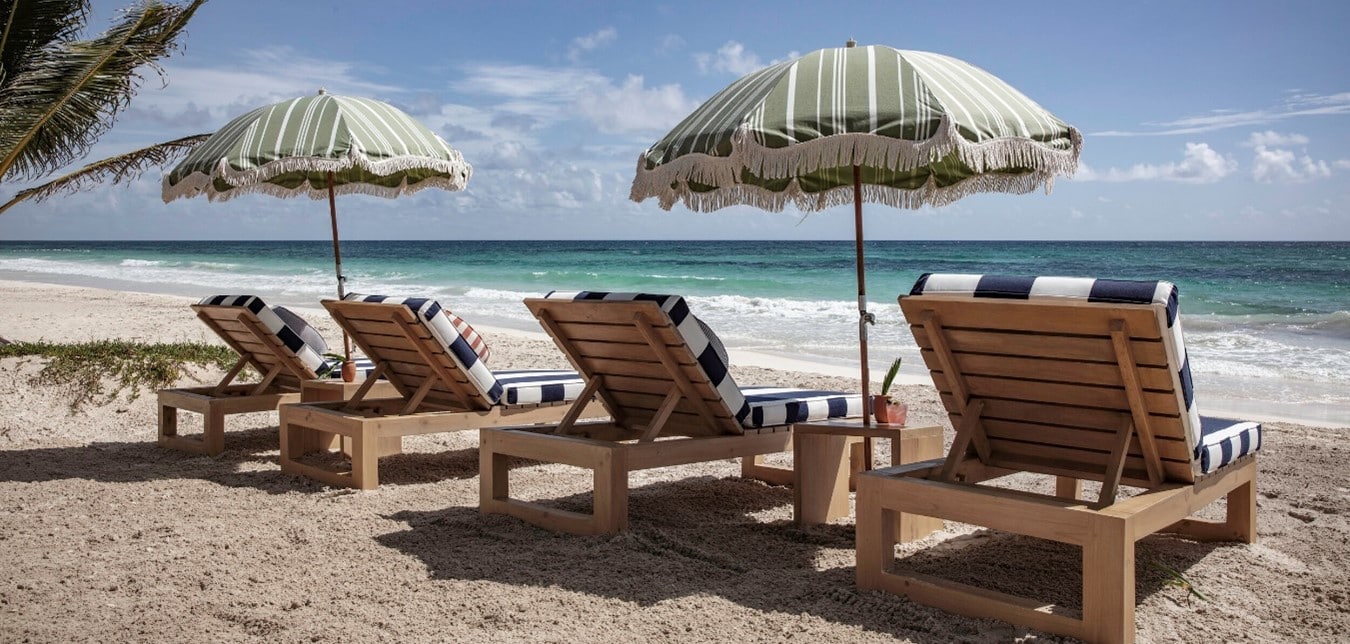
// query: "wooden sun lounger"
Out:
[236,320]
[436,394]
[664,406]
[1076,389]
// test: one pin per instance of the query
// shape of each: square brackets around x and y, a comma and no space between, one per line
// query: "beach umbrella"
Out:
[319,146]
[854,124]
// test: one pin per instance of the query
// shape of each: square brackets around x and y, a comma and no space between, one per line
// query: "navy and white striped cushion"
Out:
[1160,293]
[291,338]
[476,342]
[758,406]
[701,340]
[771,406]
[459,348]
[534,386]
[1223,441]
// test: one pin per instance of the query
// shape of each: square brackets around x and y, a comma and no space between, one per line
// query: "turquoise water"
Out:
[1264,321]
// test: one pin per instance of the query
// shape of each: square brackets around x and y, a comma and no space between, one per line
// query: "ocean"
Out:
[1267,324]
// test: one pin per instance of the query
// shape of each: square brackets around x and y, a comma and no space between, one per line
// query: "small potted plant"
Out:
[885,408]
[348,366]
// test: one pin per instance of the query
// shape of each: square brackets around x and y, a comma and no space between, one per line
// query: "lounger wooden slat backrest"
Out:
[283,348]
[257,346]
[420,366]
[1059,385]
[641,365]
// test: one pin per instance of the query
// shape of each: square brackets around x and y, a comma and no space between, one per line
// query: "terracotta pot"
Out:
[889,413]
[348,371]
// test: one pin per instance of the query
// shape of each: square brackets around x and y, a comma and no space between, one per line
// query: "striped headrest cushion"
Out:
[295,337]
[1107,291]
[458,347]
[476,342]
[705,344]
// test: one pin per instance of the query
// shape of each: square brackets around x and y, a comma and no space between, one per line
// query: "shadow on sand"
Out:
[701,536]
[249,460]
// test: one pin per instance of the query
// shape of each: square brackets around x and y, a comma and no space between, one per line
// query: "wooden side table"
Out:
[334,389]
[826,454]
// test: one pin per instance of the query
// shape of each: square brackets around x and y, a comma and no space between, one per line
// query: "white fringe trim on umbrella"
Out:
[254,180]
[669,182]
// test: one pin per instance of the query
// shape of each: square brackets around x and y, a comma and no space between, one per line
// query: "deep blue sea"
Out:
[1267,324]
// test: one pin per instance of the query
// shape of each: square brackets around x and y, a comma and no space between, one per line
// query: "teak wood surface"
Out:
[282,372]
[433,395]
[1078,391]
[663,411]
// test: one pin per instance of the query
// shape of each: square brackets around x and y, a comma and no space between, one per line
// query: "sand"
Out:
[104,536]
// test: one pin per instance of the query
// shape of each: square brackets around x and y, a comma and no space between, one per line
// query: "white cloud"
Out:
[1272,138]
[199,98]
[1274,162]
[525,81]
[1294,106]
[632,107]
[1201,164]
[1342,164]
[731,58]
[583,44]
[670,43]
[549,95]
[1284,166]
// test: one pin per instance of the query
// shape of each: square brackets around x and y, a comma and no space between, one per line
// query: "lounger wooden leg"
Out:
[213,430]
[1068,488]
[1240,522]
[494,478]
[875,535]
[610,511]
[365,461]
[1108,583]
[753,467]
[168,423]
[1242,510]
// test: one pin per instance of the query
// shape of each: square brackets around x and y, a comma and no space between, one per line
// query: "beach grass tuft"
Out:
[82,367]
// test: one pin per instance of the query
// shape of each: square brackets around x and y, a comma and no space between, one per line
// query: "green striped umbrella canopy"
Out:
[853,125]
[319,146]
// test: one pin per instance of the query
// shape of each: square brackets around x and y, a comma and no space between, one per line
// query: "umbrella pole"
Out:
[337,264]
[864,318]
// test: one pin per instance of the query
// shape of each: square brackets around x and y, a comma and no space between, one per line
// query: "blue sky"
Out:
[1201,120]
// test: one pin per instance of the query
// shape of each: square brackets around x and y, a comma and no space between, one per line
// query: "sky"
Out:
[1201,120]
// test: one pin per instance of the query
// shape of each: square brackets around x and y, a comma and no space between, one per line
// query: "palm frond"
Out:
[28,25]
[54,110]
[122,167]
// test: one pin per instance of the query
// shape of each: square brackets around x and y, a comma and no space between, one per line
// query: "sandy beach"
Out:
[107,537]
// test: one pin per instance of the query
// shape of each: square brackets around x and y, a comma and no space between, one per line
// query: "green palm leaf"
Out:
[31,24]
[64,94]
[112,170]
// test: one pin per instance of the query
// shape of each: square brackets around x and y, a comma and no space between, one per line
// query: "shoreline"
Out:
[1212,401]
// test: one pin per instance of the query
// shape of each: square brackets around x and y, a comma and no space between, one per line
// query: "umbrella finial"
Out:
[851,43]
[322,91]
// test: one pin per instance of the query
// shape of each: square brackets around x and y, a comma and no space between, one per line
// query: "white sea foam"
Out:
[215,266]
[1260,357]
[693,278]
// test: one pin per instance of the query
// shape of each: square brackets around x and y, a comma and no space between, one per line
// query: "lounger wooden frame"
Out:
[257,347]
[1078,391]
[435,396]
[664,411]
